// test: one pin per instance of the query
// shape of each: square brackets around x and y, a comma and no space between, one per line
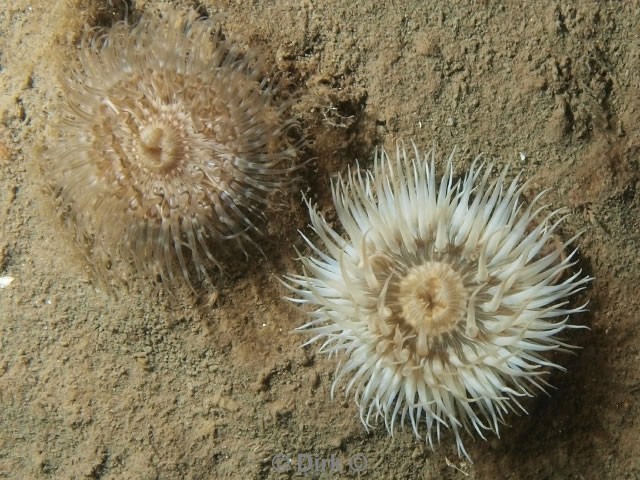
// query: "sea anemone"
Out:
[441,298]
[170,148]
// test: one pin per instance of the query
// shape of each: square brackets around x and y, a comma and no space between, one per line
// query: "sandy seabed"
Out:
[140,384]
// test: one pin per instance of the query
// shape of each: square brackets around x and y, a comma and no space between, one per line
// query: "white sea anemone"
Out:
[441,298]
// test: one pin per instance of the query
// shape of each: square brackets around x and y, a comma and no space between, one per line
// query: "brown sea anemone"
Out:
[442,299]
[170,148]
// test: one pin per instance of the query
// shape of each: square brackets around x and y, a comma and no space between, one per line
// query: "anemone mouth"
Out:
[160,148]
[428,308]
[432,298]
